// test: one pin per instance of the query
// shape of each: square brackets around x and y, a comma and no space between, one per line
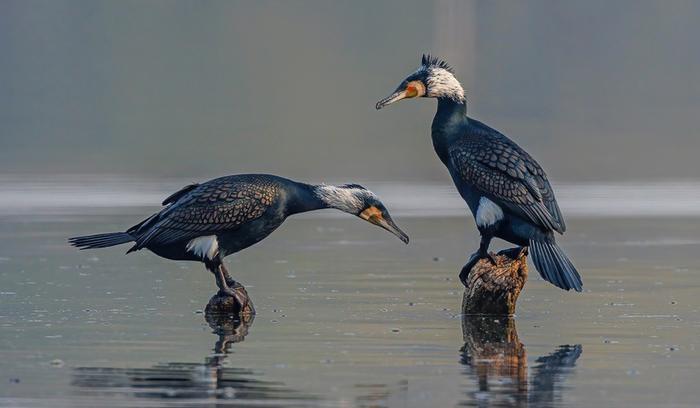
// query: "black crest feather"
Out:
[353,185]
[430,61]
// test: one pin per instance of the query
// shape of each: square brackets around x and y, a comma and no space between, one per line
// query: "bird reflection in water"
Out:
[194,381]
[497,360]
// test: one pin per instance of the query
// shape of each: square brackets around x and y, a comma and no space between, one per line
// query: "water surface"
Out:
[347,316]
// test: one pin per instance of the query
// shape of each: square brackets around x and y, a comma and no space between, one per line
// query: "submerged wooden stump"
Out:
[224,304]
[494,289]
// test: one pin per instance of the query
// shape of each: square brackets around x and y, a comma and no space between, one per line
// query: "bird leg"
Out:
[229,286]
[241,293]
[229,280]
[482,253]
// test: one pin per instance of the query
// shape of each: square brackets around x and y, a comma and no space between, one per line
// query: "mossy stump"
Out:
[494,289]
[224,304]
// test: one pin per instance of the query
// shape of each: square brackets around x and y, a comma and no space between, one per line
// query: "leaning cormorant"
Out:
[506,190]
[206,222]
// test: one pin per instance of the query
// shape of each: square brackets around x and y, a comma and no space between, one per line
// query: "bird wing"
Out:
[219,205]
[172,198]
[499,168]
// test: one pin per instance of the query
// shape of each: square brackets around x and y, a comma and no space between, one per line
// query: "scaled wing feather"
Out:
[500,169]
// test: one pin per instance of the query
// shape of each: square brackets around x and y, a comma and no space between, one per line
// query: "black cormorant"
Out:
[206,222]
[506,190]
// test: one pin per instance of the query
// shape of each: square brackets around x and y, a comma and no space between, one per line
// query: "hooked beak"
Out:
[396,96]
[389,225]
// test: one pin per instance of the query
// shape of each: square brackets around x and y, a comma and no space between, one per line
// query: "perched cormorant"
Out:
[506,190]
[206,222]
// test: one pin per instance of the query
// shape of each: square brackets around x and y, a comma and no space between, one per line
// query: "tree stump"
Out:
[224,304]
[494,289]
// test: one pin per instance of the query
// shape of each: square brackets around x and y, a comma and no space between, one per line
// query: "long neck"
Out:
[303,197]
[451,115]
[306,197]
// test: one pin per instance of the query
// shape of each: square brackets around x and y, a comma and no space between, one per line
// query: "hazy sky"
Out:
[595,90]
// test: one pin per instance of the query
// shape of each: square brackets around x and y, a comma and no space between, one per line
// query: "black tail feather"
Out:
[100,240]
[554,266]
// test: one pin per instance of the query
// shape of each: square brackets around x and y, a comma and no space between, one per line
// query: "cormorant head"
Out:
[357,200]
[433,79]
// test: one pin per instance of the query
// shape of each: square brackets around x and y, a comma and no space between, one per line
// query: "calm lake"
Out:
[347,314]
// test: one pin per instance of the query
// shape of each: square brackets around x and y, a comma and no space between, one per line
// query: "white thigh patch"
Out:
[488,213]
[204,247]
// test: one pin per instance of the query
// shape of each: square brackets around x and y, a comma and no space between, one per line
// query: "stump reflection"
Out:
[230,329]
[495,356]
[497,360]
[213,380]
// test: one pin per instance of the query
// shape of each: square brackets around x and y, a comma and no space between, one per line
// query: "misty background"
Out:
[595,90]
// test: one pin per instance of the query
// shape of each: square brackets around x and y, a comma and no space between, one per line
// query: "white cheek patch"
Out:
[443,84]
[344,199]
[488,213]
[205,247]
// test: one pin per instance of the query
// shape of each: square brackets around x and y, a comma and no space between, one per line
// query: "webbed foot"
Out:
[473,260]
[240,295]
